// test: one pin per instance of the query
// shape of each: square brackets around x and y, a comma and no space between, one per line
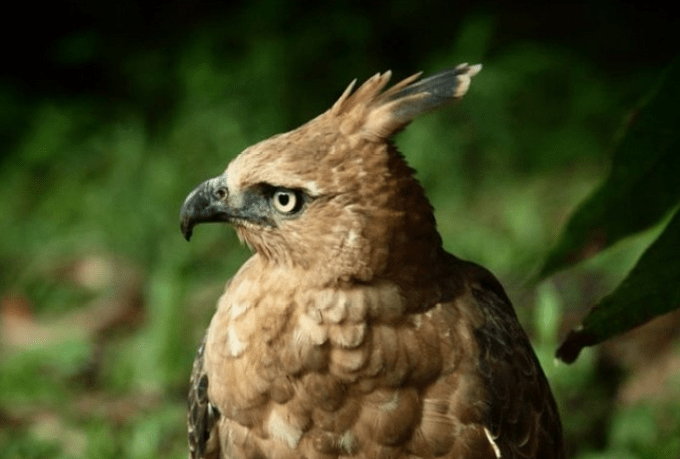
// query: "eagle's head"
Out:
[335,195]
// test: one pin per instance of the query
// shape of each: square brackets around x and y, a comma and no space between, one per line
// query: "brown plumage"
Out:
[351,332]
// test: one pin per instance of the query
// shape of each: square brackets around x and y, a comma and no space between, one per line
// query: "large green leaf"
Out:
[642,187]
[651,288]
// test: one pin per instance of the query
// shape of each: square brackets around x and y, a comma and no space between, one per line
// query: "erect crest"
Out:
[380,114]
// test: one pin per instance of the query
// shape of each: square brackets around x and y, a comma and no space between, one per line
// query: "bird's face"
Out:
[304,197]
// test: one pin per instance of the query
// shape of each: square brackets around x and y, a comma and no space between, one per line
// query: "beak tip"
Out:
[186,228]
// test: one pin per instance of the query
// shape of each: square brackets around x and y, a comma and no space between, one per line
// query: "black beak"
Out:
[207,203]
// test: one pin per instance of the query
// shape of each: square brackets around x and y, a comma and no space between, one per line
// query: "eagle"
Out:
[351,332]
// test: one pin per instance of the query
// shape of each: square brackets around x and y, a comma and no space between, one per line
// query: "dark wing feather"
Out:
[522,416]
[202,415]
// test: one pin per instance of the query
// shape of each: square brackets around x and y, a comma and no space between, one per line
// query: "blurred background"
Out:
[113,112]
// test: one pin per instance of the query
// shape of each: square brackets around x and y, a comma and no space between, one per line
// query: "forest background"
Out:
[113,112]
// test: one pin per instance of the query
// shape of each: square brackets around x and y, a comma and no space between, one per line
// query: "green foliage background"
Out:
[118,111]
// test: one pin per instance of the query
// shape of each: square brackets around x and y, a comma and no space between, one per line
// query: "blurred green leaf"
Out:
[548,313]
[23,445]
[652,288]
[23,374]
[642,186]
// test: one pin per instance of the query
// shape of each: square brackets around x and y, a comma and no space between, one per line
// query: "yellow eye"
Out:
[286,201]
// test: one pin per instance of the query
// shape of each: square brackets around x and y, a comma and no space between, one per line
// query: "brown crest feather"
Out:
[380,114]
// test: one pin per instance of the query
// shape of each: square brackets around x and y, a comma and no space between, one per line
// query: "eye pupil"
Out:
[284,199]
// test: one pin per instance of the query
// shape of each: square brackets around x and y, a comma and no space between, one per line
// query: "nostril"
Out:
[221,193]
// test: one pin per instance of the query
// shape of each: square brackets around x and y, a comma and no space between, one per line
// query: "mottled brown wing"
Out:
[522,416]
[202,415]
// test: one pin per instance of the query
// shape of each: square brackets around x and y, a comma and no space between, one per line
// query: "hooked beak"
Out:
[207,203]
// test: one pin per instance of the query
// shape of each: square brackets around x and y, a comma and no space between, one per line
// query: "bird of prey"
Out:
[351,332]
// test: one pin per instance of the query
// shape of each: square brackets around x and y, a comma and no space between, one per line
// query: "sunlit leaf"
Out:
[642,186]
[651,289]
